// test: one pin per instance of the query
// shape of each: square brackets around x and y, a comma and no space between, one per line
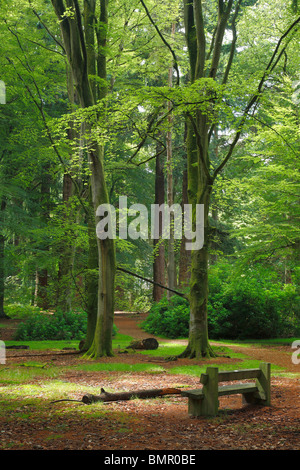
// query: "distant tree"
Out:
[84,35]
[205,46]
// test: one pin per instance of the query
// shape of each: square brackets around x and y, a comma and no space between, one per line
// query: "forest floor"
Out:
[154,424]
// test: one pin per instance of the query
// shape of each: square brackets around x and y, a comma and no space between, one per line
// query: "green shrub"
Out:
[20,311]
[59,326]
[240,306]
[251,305]
[168,318]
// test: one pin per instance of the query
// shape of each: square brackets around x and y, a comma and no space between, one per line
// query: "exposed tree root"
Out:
[192,353]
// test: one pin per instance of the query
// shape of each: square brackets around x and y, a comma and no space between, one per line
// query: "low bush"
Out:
[252,305]
[168,318]
[59,326]
[20,311]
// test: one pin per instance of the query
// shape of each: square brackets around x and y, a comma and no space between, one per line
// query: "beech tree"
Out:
[117,62]
[204,44]
[83,32]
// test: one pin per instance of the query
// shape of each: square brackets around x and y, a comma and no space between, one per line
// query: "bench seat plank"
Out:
[237,388]
[196,394]
[227,376]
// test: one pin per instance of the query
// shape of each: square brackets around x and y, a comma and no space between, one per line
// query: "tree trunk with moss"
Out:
[199,178]
[2,250]
[81,41]
[199,191]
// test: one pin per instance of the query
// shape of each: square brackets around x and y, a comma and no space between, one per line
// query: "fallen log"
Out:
[106,396]
[147,343]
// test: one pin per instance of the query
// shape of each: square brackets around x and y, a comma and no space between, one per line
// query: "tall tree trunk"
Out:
[198,168]
[199,191]
[171,267]
[2,258]
[80,46]
[42,298]
[158,244]
[185,255]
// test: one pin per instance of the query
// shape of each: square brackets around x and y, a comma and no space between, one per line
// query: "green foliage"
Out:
[20,311]
[253,304]
[58,326]
[168,318]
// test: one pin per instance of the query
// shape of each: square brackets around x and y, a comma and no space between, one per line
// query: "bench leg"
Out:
[264,384]
[194,407]
[210,402]
[198,408]
[250,398]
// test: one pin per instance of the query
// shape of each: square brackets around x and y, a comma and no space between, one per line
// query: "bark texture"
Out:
[199,179]
[105,396]
[82,38]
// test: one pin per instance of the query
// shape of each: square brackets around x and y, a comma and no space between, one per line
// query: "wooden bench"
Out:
[204,401]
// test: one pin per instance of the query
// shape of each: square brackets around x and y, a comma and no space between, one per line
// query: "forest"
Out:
[109,110]
[181,104]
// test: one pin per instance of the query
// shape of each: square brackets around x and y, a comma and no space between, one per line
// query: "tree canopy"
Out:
[177,102]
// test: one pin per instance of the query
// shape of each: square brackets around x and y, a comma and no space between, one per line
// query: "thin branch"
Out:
[211,44]
[153,156]
[276,132]
[148,130]
[46,28]
[222,22]
[151,282]
[254,100]
[44,47]
[175,64]
[234,39]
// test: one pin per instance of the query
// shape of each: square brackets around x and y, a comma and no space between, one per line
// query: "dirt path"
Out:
[152,424]
[279,355]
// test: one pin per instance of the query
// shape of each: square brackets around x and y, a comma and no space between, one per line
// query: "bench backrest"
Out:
[227,376]
[262,375]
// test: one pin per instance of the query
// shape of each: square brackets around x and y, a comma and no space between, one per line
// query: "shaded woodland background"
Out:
[45,260]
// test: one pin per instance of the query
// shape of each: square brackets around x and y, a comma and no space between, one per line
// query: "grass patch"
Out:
[121,367]
[34,393]
[43,345]
[164,350]
[257,342]
[197,370]
[174,349]
[119,341]
[26,372]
